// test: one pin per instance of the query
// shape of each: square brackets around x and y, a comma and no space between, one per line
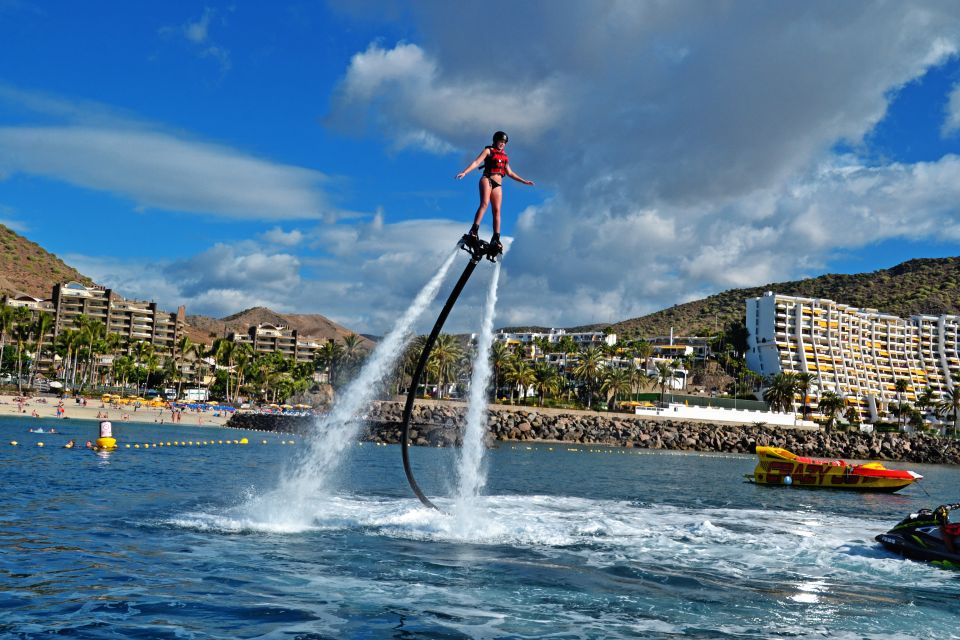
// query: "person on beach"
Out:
[496,165]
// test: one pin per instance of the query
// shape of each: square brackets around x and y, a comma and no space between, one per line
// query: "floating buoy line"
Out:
[172,443]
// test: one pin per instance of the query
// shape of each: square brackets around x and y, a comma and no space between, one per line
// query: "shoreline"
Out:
[46,407]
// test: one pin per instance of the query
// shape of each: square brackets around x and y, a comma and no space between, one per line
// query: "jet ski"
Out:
[920,536]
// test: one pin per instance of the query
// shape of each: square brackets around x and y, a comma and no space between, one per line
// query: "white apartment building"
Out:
[268,338]
[859,354]
[581,338]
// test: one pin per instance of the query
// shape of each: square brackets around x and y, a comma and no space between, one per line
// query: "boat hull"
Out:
[924,545]
[781,467]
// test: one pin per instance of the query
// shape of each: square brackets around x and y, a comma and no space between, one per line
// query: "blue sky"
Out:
[301,155]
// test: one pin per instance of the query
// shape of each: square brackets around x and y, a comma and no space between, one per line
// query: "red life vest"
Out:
[495,163]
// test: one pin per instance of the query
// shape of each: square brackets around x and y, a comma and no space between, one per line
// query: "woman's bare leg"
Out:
[484,201]
[496,199]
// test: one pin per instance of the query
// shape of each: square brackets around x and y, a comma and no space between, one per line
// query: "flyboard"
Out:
[478,250]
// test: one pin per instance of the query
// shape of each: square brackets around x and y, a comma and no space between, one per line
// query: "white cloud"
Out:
[280,237]
[952,121]
[421,107]
[197,34]
[689,147]
[161,171]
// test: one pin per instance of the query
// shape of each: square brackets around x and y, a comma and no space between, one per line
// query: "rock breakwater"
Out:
[437,424]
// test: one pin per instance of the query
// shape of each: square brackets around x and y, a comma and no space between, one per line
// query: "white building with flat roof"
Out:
[581,338]
[859,354]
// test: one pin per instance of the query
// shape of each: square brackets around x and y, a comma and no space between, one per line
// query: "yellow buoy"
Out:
[13,443]
[39,444]
[106,444]
[243,441]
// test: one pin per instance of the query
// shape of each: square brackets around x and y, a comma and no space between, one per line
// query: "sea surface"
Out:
[194,541]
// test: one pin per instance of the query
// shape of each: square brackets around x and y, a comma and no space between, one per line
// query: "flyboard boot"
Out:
[494,248]
[472,244]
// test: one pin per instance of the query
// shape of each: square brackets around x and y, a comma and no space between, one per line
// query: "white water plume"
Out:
[334,432]
[472,477]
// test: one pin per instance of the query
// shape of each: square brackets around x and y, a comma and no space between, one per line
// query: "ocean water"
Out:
[566,542]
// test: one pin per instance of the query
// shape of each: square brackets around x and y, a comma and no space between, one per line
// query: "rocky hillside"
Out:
[929,285]
[312,325]
[26,267]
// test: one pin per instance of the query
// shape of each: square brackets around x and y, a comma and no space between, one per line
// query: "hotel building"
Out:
[269,338]
[859,354]
[135,320]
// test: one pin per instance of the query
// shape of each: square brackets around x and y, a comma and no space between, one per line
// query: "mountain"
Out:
[921,286]
[26,267]
[308,325]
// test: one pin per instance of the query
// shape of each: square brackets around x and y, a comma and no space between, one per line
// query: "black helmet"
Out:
[500,135]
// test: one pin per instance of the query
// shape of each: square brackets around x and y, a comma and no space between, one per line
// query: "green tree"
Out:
[780,392]
[443,360]
[830,405]
[588,370]
[615,382]
[901,385]
[950,406]
[499,360]
[546,380]
[801,384]
[521,375]
[6,325]
[664,378]
[21,334]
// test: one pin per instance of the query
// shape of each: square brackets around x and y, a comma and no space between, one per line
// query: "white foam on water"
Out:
[470,464]
[289,506]
[737,541]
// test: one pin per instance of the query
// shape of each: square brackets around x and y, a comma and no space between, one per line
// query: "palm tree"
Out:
[152,366]
[243,354]
[926,399]
[615,382]
[223,350]
[781,391]
[140,350]
[546,380]
[643,350]
[65,343]
[21,334]
[802,383]
[588,369]
[41,328]
[522,376]
[950,406]
[443,360]
[901,385]
[329,357]
[353,353]
[6,324]
[830,405]
[499,358]
[639,378]
[664,378]
[184,346]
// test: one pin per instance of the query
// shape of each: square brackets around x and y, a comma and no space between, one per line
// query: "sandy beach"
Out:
[46,407]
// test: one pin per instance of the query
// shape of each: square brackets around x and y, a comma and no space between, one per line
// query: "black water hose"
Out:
[421,365]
